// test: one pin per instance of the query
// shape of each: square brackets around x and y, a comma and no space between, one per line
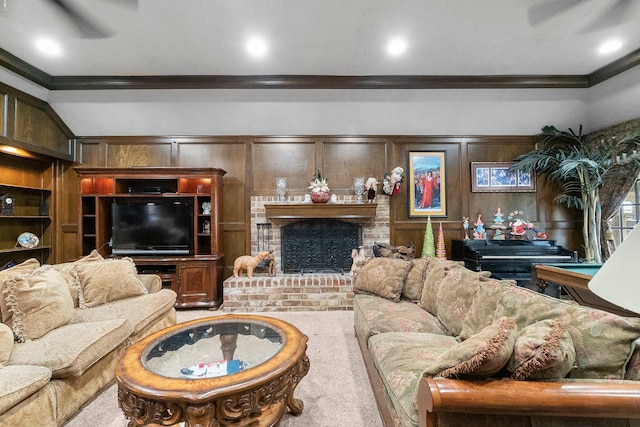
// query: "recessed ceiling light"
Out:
[396,46]
[257,47]
[610,46]
[48,47]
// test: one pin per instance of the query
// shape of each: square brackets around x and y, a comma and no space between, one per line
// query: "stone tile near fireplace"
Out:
[298,292]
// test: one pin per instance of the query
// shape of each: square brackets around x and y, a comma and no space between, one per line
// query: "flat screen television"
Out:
[154,228]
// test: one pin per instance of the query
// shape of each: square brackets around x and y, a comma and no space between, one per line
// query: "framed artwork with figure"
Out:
[427,184]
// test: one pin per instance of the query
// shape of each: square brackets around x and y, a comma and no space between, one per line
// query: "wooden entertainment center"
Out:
[196,277]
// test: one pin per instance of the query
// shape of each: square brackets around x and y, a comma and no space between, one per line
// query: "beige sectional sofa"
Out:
[63,327]
[445,346]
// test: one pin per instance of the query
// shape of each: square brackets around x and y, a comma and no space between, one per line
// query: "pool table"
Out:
[574,279]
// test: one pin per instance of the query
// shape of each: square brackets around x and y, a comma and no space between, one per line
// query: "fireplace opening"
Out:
[319,246]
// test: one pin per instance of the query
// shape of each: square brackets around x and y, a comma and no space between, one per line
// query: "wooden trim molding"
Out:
[17,65]
[314,210]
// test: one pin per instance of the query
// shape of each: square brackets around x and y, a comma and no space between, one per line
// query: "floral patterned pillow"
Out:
[455,296]
[434,275]
[482,355]
[482,310]
[383,277]
[412,289]
[603,341]
[543,350]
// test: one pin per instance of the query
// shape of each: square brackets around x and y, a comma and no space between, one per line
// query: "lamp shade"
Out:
[618,280]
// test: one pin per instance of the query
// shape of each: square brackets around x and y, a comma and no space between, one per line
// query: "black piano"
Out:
[511,259]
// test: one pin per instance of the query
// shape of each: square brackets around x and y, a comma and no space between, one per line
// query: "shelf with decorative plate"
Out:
[21,249]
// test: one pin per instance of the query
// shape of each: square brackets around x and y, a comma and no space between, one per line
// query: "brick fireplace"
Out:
[299,291]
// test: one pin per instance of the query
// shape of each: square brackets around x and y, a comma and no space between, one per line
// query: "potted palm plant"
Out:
[580,167]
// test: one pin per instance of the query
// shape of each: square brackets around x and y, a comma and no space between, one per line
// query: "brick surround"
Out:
[288,292]
[298,292]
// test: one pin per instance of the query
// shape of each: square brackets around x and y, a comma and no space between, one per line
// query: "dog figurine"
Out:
[359,259]
[248,262]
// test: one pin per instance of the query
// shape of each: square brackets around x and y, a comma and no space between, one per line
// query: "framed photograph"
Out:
[495,177]
[427,183]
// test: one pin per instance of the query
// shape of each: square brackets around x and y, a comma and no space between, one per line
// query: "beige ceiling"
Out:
[319,37]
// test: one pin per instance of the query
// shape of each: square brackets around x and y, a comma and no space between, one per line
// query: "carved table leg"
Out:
[201,416]
[542,285]
[296,405]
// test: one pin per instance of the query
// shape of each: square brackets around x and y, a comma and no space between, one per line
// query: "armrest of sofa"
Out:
[152,282]
[570,398]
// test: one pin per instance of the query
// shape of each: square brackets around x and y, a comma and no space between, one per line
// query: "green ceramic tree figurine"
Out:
[428,246]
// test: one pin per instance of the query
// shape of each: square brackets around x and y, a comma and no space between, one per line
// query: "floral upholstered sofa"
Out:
[63,327]
[445,346]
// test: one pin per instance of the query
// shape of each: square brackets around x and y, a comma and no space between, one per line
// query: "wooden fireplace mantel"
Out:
[316,210]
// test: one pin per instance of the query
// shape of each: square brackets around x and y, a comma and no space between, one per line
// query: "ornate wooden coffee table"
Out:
[228,370]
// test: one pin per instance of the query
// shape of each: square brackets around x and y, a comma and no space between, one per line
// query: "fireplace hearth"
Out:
[319,246]
[315,290]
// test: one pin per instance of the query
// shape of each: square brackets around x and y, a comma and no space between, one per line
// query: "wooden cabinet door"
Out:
[195,285]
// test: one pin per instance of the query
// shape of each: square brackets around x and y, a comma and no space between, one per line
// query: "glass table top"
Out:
[213,348]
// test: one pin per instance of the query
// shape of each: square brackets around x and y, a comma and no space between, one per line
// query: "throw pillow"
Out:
[6,343]
[412,289]
[108,280]
[482,355]
[455,295]
[36,303]
[383,277]
[603,341]
[543,350]
[435,273]
[67,271]
[25,267]
[482,310]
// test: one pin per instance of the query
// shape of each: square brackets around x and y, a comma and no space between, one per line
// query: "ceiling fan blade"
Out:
[612,17]
[542,12]
[87,28]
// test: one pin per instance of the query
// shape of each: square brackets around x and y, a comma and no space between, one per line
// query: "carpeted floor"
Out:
[335,392]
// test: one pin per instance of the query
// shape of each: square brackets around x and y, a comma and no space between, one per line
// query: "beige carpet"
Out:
[335,392]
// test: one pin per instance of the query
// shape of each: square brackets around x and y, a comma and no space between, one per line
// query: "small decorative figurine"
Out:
[465,225]
[479,231]
[206,227]
[333,199]
[359,260]
[372,188]
[498,221]
[391,182]
[307,198]
[206,208]
[248,262]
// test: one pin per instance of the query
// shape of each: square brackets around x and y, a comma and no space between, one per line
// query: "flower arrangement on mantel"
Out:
[319,188]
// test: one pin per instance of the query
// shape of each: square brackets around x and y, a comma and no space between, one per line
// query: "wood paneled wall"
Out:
[253,162]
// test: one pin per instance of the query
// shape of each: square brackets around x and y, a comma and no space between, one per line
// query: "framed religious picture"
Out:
[427,183]
[497,177]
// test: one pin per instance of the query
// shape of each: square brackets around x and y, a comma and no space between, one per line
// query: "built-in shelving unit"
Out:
[196,277]
[29,185]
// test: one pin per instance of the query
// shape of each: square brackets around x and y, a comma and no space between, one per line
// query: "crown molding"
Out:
[315,82]
[22,68]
